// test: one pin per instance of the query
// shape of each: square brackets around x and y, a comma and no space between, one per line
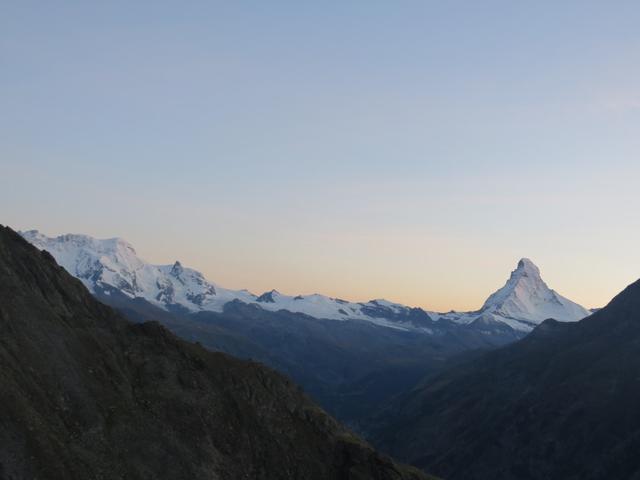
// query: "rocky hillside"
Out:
[87,395]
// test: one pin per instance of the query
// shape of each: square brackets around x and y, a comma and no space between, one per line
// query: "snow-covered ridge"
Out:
[113,264]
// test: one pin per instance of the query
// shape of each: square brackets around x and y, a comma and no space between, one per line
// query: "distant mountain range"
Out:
[105,266]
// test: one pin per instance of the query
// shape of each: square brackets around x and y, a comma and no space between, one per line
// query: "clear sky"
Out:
[411,150]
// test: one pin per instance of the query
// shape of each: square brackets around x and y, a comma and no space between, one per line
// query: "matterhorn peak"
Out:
[527,267]
[527,297]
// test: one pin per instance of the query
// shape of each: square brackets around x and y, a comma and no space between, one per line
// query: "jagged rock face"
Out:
[267,297]
[561,403]
[86,395]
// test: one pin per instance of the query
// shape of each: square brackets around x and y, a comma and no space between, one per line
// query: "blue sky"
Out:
[407,150]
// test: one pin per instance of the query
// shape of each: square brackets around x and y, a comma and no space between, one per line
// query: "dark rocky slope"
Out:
[562,403]
[88,395]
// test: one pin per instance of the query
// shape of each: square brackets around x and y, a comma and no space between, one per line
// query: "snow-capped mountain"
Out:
[109,265]
[112,265]
[525,296]
[523,302]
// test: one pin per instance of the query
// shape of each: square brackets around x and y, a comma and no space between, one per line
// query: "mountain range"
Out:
[111,265]
[352,358]
[504,392]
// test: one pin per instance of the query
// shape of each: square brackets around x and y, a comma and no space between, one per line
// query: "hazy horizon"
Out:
[411,151]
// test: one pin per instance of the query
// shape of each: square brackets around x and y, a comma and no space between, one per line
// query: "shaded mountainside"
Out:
[561,403]
[88,395]
[351,368]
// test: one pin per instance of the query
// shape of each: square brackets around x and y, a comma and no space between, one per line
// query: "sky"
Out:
[407,150]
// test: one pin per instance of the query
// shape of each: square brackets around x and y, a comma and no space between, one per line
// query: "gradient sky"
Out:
[411,150]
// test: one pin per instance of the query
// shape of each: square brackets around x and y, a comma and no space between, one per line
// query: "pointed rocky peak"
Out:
[268,297]
[527,268]
[177,269]
[527,297]
[524,280]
